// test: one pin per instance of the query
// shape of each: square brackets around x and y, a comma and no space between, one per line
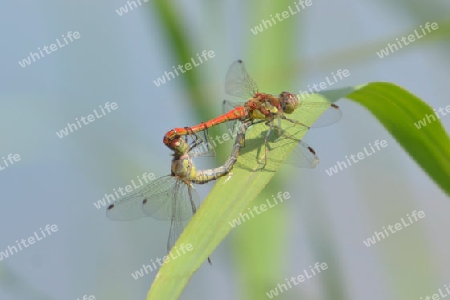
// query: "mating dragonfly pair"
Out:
[173,197]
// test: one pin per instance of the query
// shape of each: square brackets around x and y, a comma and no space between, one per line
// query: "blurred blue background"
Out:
[117,58]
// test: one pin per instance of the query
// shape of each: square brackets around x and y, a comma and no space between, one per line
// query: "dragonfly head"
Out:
[179,146]
[289,102]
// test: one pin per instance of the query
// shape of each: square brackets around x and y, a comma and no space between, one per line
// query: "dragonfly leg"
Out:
[266,143]
[295,122]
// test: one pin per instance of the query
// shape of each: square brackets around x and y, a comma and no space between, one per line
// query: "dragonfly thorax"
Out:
[263,106]
[183,167]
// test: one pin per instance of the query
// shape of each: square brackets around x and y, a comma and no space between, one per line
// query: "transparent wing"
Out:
[126,209]
[184,205]
[306,110]
[130,207]
[302,156]
[168,201]
[200,144]
[238,83]
[228,105]
[167,198]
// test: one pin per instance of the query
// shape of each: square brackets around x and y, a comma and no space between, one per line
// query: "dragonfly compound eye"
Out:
[289,102]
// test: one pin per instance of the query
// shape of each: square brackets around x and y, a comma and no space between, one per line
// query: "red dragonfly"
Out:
[263,107]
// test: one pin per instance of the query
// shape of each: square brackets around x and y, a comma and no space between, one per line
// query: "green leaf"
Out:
[398,111]
[393,106]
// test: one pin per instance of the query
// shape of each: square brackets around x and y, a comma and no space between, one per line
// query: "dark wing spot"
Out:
[312,150]
[144,201]
[110,207]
